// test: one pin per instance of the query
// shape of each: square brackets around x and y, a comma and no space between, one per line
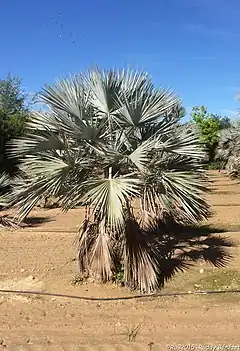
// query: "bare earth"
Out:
[42,259]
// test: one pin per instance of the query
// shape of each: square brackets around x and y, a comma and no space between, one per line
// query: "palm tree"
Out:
[107,144]
[228,150]
[5,183]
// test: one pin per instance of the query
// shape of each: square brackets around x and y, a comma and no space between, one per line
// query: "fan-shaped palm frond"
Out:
[109,143]
[5,220]
[67,95]
[4,182]
[107,197]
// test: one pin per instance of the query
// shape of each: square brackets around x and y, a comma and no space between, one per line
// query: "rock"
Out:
[30,277]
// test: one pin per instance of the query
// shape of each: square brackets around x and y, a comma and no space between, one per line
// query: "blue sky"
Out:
[191,46]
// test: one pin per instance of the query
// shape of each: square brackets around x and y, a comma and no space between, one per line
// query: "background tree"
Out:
[225,122]
[12,97]
[13,113]
[228,150]
[209,126]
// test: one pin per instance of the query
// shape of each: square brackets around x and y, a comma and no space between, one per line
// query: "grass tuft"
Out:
[132,332]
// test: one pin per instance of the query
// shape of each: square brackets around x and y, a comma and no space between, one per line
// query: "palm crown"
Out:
[110,143]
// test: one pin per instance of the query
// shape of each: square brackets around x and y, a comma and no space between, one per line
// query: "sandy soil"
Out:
[42,258]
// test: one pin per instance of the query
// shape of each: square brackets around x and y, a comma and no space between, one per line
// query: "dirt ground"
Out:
[42,258]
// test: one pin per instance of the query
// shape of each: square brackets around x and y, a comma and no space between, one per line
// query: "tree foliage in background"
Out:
[13,114]
[209,126]
[109,145]
[12,98]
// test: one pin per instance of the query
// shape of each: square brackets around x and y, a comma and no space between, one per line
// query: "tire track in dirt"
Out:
[103,347]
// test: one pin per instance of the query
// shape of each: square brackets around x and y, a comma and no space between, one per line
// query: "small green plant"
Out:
[77,279]
[118,276]
[215,165]
[132,332]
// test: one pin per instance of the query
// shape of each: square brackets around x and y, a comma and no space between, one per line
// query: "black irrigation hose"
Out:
[207,292]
